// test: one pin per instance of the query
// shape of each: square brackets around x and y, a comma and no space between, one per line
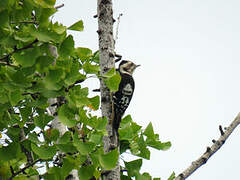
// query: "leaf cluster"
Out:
[138,141]
[30,74]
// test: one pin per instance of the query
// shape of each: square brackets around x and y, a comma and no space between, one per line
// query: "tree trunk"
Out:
[107,62]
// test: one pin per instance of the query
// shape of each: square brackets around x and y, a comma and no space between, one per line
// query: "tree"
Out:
[45,112]
[47,127]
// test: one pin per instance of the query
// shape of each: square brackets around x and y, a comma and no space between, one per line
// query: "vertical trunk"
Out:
[107,62]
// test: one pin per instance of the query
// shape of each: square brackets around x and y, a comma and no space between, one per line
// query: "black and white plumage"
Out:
[123,96]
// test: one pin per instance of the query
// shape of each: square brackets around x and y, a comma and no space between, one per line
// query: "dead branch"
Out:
[210,150]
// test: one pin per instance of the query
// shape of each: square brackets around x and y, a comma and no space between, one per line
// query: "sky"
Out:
[188,82]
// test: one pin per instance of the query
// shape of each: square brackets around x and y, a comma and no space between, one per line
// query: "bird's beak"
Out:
[138,65]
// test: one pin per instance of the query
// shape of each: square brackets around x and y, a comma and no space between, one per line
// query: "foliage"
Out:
[30,75]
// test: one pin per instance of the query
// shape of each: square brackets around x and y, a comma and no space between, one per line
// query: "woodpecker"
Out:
[123,96]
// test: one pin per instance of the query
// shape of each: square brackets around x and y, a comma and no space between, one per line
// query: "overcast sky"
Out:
[188,83]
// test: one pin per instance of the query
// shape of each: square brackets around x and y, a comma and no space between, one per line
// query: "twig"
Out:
[16,50]
[118,56]
[221,130]
[72,85]
[11,168]
[210,150]
[118,22]
[27,153]
[7,64]
[59,6]
[25,22]
[23,169]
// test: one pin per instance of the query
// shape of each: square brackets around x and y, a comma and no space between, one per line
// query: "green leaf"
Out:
[126,133]
[44,152]
[133,167]
[165,146]
[140,150]
[3,96]
[64,139]
[95,57]
[20,36]
[78,26]
[13,134]
[101,124]
[58,28]
[172,177]
[43,63]
[96,137]
[124,146]
[128,129]
[156,178]
[4,18]
[10,152]
[53,173]
[19,78]
[83,53]
[126,121]
[33,137]
[83,147]
[15,97]
[42,120]
[51,135]
[113,82]
[91,69]
[78,97]
[66,116]
[67,47]
[110,73]
[94,102]
[27,57]
[45,36]
[53,77]
[144,176]
[86,172]
[42,16]
[109,160]
[149,131]
[73,74]
[25,112]
[67,148]
[68,165]
[45,3]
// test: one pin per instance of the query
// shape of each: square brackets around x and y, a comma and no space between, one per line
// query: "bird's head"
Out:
[127,67]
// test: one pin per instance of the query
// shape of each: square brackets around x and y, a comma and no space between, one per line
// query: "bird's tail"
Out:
[116,123]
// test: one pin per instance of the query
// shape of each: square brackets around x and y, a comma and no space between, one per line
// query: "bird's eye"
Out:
[125,69]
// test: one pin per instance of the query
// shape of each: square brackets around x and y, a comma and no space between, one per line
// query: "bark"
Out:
[217,144]
[107,62]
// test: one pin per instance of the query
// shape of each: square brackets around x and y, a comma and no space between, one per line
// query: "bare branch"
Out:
[25,22]
[27,153]
[23,169]
[17,50]
[118,22]
[210,150]
[59,6]
[7,64]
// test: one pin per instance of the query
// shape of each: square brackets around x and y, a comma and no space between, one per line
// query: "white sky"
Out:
[188,82]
